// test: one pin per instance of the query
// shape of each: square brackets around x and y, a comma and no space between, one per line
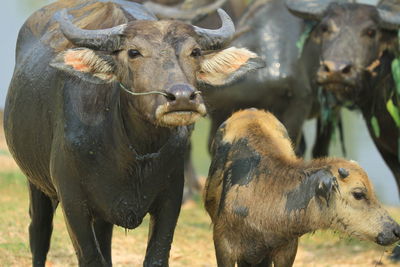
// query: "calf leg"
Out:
[103,231]
[266,262]
[41,211]
[163,217]
[284,256]
[224,259]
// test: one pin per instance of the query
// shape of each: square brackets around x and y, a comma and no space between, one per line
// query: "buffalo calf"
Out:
[262,198]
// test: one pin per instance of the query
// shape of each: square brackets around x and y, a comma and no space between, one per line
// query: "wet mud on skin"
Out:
[241,211]
[241,170]
[319,183]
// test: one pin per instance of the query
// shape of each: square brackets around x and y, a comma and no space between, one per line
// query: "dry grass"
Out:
[192,243]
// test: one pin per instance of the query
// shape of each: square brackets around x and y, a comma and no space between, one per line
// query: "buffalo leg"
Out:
[293,119]
[216,121]
[191,182]
[103,231]
[285,256]
[394,166]
[322,139]
[163,217]
[81,232]
[41,211]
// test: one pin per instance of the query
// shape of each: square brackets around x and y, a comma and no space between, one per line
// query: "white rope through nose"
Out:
[150,92]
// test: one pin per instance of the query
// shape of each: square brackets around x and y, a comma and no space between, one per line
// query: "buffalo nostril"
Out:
[326,68]
[347,69]
[170,97]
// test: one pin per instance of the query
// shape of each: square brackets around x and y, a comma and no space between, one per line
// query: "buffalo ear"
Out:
[226,66]
[325,184]
[86,64]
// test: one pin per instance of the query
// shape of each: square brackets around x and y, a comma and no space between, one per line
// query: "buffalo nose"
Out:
[331,67]
[181,93]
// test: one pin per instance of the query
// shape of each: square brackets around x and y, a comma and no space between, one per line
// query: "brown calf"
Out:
[262,198]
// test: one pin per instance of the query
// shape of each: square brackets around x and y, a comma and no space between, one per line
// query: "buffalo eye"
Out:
[324,28]
[133,53]
[371,33]
[196,52]
[359,195]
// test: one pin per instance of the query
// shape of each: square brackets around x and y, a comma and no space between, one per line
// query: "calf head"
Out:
[352,37]
[162,61]
[354,208]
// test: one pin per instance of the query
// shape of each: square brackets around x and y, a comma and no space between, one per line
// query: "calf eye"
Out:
[371,33]
[132,53]
[359,195]
[196,52]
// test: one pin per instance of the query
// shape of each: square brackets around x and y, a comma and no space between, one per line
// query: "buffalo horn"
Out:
[215,39]
[389,14]
[105,39]
[178,12]
[308,9]
[311,9]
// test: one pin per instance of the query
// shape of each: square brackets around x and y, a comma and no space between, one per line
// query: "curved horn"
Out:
[177,12]
[308,9]
[215,39]
[389,14]
[105,39]
[136,10]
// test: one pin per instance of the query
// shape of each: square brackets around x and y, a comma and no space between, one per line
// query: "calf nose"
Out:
[389,235]
[181,94]
[332,67]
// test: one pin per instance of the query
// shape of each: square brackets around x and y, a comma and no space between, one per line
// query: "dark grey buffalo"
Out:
[358,44]
[285,87]
[98,115]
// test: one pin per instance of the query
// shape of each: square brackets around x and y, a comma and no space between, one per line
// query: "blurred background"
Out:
[357,140]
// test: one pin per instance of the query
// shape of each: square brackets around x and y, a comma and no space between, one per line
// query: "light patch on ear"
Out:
[84,62]
[227,65]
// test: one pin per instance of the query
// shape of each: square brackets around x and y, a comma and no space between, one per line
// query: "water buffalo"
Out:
[285,87]
[262,198]
[98,114]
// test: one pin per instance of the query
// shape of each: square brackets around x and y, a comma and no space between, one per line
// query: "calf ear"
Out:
[325,184]
[226,66]
[87,64]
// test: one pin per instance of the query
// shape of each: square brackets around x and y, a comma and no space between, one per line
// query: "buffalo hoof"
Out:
[396,254]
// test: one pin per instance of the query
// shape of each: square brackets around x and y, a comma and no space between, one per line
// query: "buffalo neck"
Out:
[143,136]
[307,211]
[376,89]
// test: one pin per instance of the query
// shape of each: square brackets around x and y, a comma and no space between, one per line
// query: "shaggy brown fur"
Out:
[262,198]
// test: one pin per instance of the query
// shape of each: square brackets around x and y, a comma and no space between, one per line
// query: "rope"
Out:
[144,93]
[150,92]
